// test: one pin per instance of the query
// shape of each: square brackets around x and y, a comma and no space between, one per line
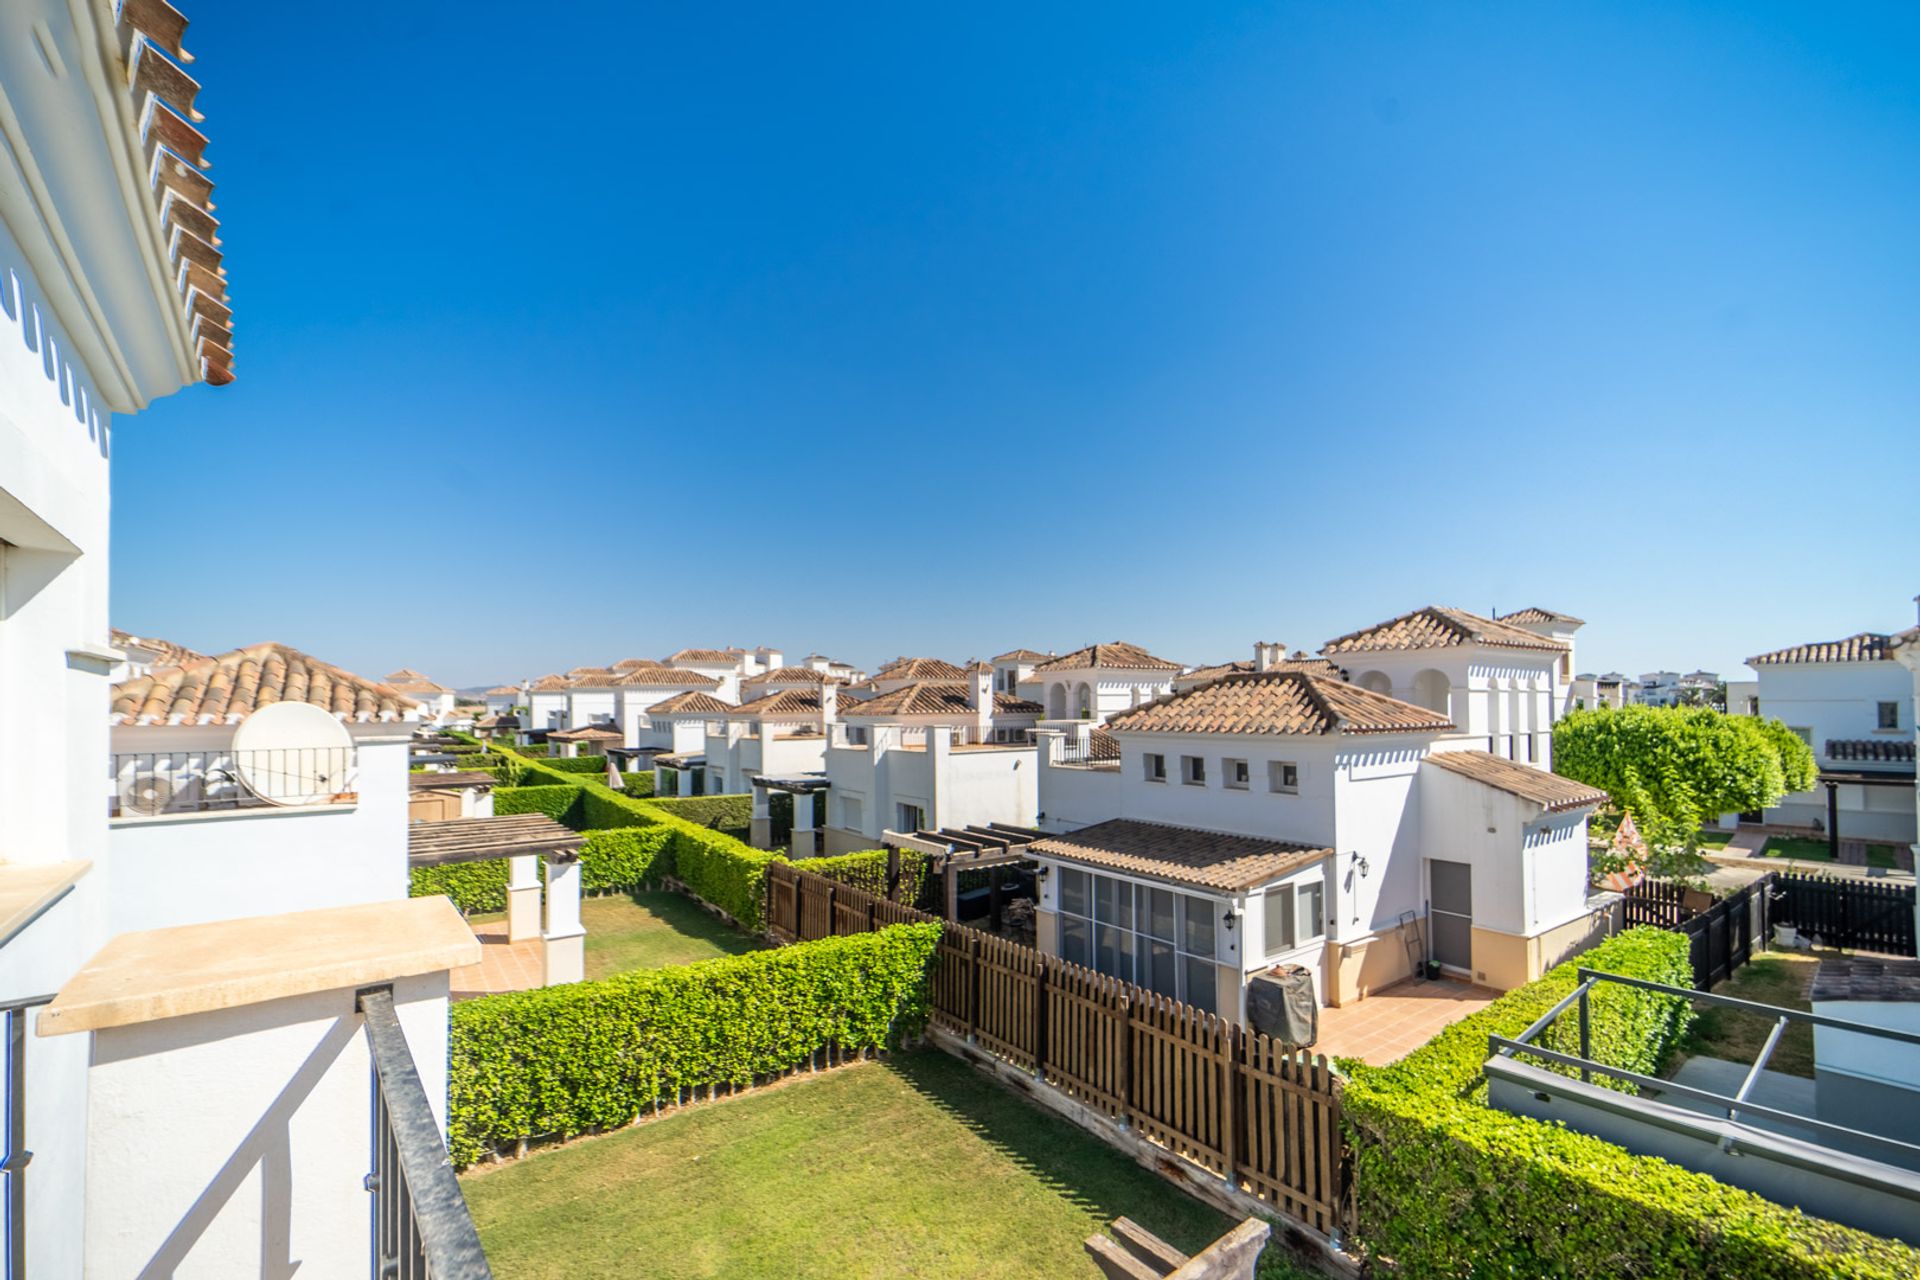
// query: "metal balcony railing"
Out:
[152,783]
[421,1227]
[14,1163]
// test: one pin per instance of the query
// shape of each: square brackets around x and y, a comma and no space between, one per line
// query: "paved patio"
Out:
[504,966]
[1390,1024]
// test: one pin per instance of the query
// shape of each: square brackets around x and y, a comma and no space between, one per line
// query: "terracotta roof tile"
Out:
[629,664]
[1867,978]
[503,690]
[1023,656]
[1181,855]
[918,669]
[692,702]
[577,672]
[588,733]
[1283,702]
[793,675]
[550,684]
[1009,704]
[922,698]
[713,656]
[783,702]
[407,680]
[166,652]
[1868,646]
[656,677]
[1549,790]
[228,688]
[1535,614]
[1871,750]
[1301,662]
[1438,627]
[1117,656]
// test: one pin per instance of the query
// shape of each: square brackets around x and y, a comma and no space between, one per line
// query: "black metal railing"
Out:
[421,1227]
[152,783]
[13,1166]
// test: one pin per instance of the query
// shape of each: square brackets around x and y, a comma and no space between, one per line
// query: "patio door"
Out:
[1450,910]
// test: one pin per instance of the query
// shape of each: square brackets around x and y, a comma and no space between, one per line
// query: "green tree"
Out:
[1673,768]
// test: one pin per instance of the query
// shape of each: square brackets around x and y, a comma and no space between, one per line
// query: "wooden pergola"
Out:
[524,839]
[952,850]
[435,844]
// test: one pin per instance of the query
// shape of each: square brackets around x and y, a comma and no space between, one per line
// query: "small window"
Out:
[1156,766]
[1802,732]
[1193,770]
[1074,893]
[912,817]
[1235,774]
[1313,911]
[1889,715]
[1283,776]
[1196,918]
[1280,919]
[850,814]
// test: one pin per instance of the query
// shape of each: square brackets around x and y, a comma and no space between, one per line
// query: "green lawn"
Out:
[1714,841]
[1810,850]
[918,1166]
[648,930]
[1777,978]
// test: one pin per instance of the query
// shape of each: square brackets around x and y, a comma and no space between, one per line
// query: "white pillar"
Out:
[523,897]
[804,822]
[564,940]
[760,824]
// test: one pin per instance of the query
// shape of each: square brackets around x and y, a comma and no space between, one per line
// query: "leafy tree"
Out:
[1673,768]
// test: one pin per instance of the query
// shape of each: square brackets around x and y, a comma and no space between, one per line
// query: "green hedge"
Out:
[578,764]
[611,861]
[561,803]
[563,1060]
[868,870]
[1446,1186]
[722,812]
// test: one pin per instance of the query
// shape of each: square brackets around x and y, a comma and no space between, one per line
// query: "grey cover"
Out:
[1280,1004]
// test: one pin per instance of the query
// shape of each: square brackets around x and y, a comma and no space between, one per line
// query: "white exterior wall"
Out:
[234,1142]
[1493,694]
[634,721]
[1529,866]
[192,868]
[501,703]
[955,788]
[548,710]
[1839,700]
[1869,1057]
[591,706]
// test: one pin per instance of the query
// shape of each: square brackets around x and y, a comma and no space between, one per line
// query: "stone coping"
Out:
[197,968]
[28,888]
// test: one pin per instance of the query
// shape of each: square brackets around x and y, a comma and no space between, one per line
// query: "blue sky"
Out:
[891,330]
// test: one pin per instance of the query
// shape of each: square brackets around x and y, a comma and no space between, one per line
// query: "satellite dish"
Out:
[146,794]
[293,753]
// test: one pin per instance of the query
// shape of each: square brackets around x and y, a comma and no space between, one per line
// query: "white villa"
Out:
[435,700]
[1266,657]
[502,699]
[1016,667]
[782,734]
[1099,681]
[1285,817]
[1498,681]
[1853,701]
[192,1093]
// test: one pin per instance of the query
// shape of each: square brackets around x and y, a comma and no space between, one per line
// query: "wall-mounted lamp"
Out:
[1230,916]
[1046,869]
[1360,864]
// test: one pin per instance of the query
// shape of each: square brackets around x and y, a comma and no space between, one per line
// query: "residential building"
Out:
[781,734]
[1672,689]
[845,672]
[1271,818]
[143,655]
[1099,681]
[502,699]
[193,1099]
[675,741]
[1852,701]
[1496,681]
[1743,697]
[434,700]
[549,702]
[927,755]
[640,690]
[1558,627]
[1266,657]
[723,666]
[1590,692]
[1016,666]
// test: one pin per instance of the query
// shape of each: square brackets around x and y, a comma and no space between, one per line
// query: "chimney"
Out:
[829,702]
[981,687]
[1268,654]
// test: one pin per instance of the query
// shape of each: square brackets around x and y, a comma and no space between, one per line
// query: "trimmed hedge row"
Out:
[868,870]
[612,861]
[578,764]
[561,803]
[724,813]
[560,1061]
[1446,1186]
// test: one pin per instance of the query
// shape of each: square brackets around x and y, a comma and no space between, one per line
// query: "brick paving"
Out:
[1392,1023]
[504,966]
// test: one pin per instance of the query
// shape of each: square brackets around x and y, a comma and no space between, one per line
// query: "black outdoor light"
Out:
[1230,916]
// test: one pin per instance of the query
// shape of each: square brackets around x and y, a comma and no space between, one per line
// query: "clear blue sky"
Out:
[582,331]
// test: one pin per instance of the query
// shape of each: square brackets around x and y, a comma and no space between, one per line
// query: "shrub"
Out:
[611,861]
[561,803]
[473,887]
[1446,1186]
[723,813]
[578,764]
[560,1061]
[868,870]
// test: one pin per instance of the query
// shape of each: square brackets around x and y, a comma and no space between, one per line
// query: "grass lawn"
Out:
[1881,855]
[1777,977]
[651,929]
[1801,847]
[1714,841]
[916,1166]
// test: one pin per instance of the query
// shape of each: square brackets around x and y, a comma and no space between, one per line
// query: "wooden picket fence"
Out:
[1262,1117]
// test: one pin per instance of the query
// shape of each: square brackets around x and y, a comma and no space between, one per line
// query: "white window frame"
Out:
[1135,926]
[1154,766]
[1193,771]
[1235,775]
[1276,774]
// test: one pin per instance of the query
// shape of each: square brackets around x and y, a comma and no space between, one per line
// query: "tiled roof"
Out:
[1102,745]
[979,669]
[1864,978]
[1010,704]
[1868,646]
[586,733]
[1871,750]
[1023,656]
[175,155]
[783,702]
[918,669]
[922,698]
[1302,662]
[641,677]
[577,672]
[692,702]
[1535,614]
[628,664]
[456,779]
[1117,656]
[793,675]
[550,684]
[228,688]
[1181,855]
[504,690]
[1438,627]
[1549,790]
[1279,702]
[728,656]
[407,680]
[165,652]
